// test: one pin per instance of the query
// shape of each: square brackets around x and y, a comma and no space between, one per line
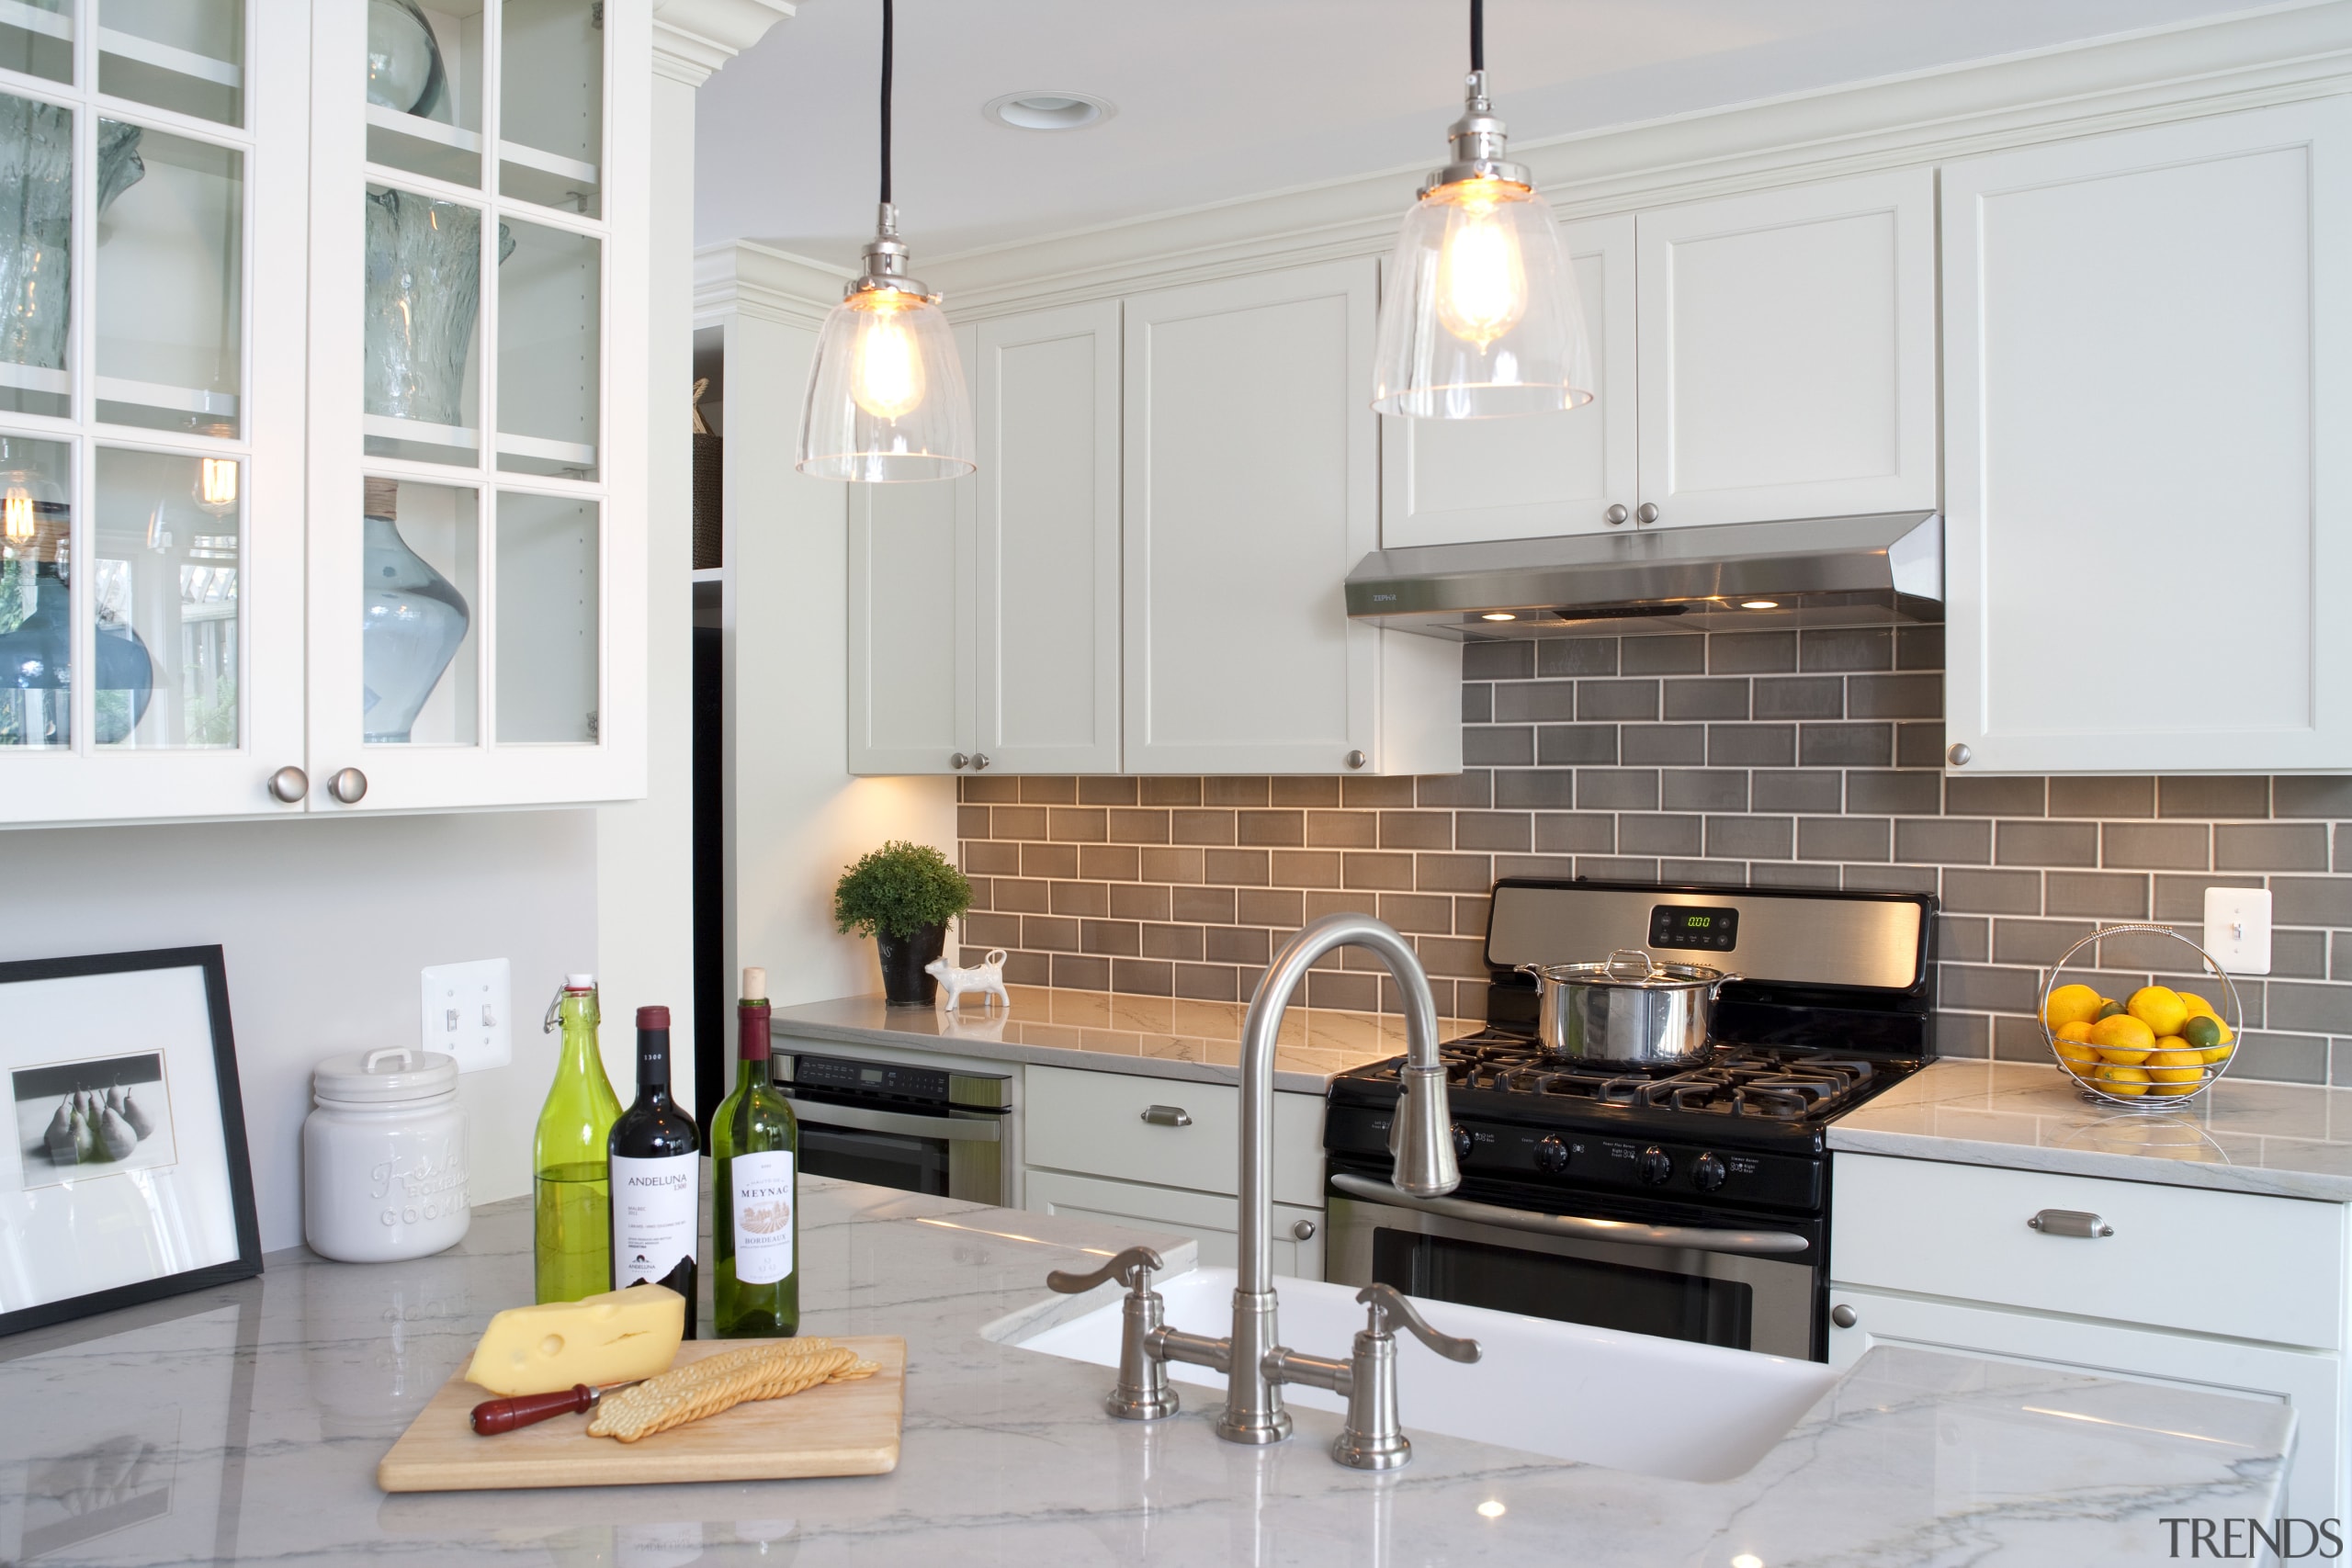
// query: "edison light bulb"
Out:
[1481,282]
[17,515]
[217,484]
[886,368]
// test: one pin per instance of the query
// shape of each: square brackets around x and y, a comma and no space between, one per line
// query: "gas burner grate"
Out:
[1771,1083]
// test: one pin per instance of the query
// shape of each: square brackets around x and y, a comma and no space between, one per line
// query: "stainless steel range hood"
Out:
[1817,571]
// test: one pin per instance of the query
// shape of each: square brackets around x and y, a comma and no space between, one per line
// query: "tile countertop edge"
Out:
[2270,1140]
[1102,1031]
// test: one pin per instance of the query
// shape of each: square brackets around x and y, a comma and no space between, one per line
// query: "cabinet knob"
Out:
[1303,1231]
[959,761]
[979,760]
[1615,515]
[289,785]
[1645,514]
[349,786]
[1843,1315]
[1357,759]
[1960,754]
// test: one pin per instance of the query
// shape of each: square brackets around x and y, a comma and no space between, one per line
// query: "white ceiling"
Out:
[1219,98]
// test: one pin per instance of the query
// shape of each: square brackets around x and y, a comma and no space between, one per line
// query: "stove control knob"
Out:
[1460,1142]
[1707,1173]
[1550,1157]
[1657,1166]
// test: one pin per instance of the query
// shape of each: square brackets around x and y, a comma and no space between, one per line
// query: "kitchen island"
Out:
[245,1425]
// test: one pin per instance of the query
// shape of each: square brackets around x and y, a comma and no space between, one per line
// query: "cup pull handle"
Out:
[1167,1116]
[2070,1222]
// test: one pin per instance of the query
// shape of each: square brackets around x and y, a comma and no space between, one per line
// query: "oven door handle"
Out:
[1625,1231]
[955,1129]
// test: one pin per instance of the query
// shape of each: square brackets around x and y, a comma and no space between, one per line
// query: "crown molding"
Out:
[693,39]
[743,276]
[2248,60]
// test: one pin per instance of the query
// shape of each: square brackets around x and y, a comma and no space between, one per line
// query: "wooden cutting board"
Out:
[847,1429]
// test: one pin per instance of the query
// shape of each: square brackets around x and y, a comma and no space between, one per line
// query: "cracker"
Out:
[721,1382]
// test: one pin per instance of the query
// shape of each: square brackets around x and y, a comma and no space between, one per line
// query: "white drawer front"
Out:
[2252,1268]
[1093,1122]
[1213,1222]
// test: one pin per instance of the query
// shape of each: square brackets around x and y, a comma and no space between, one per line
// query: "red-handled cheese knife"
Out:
[493,1416]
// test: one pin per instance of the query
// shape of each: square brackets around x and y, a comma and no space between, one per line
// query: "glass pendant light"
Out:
[885,392]
[1479,315]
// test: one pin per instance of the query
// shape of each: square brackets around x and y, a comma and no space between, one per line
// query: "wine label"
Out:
[653,1216]
[763,1201]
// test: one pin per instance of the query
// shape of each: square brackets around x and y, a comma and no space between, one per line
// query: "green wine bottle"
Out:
[570,1192]
[755,1193]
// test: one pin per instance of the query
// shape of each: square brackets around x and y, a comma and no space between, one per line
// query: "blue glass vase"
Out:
[36,650]
[413,620]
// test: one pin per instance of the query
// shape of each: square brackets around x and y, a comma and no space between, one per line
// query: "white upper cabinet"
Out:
[1446,481]
[911,621]
[2148,353]
[1046,660]
[1252,480]
[150,408]
[1787,353]
[478,407]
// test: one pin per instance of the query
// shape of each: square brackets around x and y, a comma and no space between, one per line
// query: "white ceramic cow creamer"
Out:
[987,977]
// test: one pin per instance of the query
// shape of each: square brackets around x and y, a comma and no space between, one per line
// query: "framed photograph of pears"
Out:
[127,1178]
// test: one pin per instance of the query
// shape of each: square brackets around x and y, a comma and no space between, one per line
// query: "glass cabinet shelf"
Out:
[388,429]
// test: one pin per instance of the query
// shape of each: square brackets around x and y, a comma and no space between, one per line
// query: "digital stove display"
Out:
[1693,925]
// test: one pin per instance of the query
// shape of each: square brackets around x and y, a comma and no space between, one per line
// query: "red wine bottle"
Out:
[656,1176]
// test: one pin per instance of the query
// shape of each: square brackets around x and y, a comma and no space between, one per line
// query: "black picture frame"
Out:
[247,1263]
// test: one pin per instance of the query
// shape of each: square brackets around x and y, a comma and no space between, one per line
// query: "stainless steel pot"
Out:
[1629,1011]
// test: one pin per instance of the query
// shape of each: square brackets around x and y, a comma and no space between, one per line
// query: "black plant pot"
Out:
[904,984]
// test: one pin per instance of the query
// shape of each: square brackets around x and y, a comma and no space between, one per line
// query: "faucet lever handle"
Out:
[1387,1301]
[1133,1268]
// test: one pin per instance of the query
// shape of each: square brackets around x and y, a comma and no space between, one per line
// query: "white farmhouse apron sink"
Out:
[1562,1389]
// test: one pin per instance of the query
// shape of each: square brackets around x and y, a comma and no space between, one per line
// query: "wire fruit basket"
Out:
[2152,1051]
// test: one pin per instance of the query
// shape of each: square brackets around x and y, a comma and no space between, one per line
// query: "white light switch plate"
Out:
[468,1012]
[2237,929]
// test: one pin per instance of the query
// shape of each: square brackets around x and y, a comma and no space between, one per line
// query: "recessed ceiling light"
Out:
[1498,615]
[1491,1510]
[1048,110]
[1759,603]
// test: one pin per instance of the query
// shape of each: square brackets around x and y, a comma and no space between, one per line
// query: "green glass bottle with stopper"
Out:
[571,1246]
[755,1191]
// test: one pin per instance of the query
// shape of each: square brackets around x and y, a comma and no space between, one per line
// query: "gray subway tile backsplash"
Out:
[1769,758]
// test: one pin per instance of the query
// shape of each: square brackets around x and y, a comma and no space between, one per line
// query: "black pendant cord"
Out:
[1478,33]
[887,20]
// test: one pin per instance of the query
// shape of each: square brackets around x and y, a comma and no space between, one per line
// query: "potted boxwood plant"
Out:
[903,896]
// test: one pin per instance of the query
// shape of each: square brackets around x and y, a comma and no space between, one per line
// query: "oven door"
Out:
[958,1153]
[1748,1289]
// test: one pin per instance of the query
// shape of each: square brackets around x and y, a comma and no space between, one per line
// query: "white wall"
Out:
[645,850]
[324,924]
[797,817]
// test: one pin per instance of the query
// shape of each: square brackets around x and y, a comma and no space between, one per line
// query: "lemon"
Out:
[2160,1007]
[2173,1089]
[2201,1030]
[2074,1052]
[2075,1031]
[2217,1053]
[2198,1005]
[2072,1004]
[2171,1062]
[2123,1039]
[2123,1080]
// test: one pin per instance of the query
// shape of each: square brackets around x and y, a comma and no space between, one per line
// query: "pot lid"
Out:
[1630,967]
[391,1073]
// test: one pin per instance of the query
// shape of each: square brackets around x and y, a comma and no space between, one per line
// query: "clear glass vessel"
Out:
[423,292]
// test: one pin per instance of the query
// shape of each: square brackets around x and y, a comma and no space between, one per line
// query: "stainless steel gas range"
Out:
[1692,1204]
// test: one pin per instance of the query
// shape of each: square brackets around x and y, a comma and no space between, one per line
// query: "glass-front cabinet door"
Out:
[151,486]
[477,591]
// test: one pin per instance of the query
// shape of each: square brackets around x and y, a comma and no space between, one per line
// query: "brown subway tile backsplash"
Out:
[1765,759]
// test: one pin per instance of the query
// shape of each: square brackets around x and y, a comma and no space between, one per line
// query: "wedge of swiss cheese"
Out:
[613,1338]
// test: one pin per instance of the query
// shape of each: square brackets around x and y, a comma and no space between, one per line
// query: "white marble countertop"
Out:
[2294,1140]
[1108,1032]
[243,1425]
